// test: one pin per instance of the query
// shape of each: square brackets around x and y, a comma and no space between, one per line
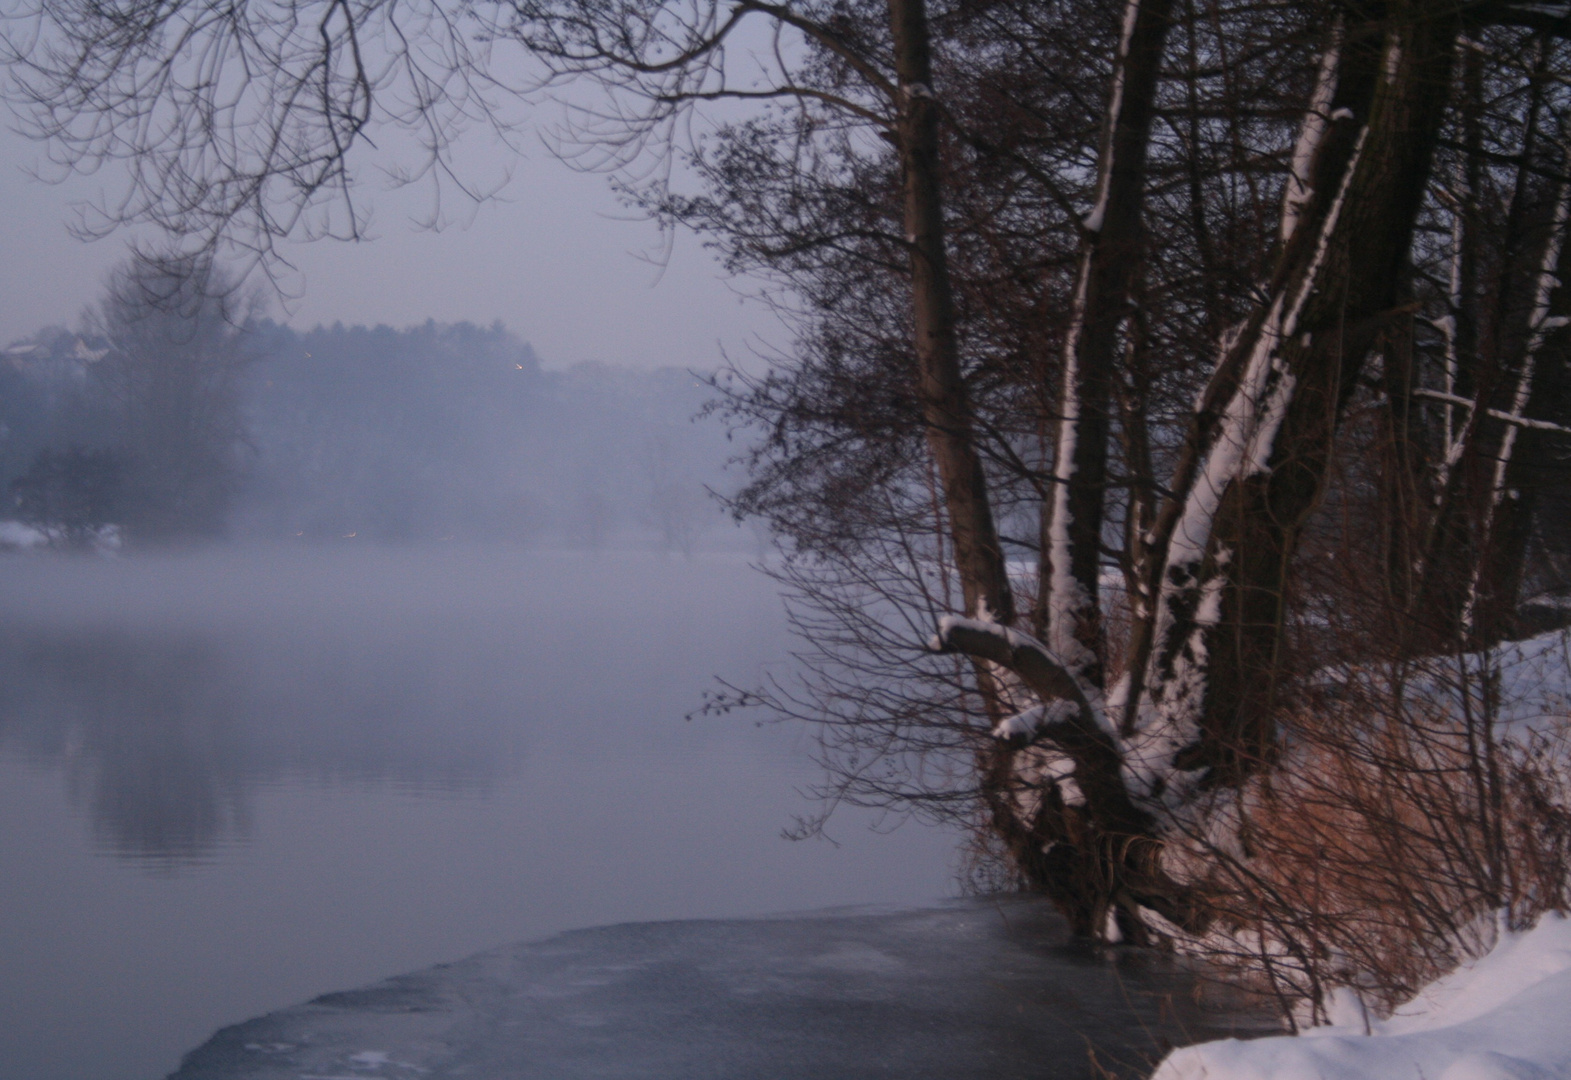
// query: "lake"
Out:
[231,781]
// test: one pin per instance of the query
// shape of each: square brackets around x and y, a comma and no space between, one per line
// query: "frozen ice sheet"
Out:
[974,988]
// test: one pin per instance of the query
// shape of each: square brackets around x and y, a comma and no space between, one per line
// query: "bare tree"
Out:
[177,348]
[237,126]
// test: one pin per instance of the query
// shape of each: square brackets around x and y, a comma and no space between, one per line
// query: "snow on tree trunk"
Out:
[1541,323]
[1300,182]
[1068,603]
[1469,563]
[1194,708]
[1256,462]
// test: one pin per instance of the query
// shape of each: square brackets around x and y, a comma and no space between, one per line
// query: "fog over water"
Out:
[233,779]
[328,656]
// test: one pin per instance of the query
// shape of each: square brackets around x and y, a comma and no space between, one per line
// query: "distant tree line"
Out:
[175,414]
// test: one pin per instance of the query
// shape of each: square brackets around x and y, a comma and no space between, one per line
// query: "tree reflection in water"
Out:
[162,736]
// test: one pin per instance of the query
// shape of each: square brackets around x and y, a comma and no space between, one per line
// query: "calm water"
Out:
[980,989]
[229,783]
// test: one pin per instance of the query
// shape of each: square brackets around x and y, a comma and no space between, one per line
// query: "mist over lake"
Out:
[237,778]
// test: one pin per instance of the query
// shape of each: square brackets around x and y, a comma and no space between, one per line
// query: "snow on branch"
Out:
[1043,672]
[1241,444]
[1498,414]
[1115,107]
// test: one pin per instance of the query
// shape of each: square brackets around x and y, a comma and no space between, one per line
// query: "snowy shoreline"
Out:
[1505,1016]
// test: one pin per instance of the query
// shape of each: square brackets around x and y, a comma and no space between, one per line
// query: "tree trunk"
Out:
[1203,663]
[1069,610]
[1517,465]
[1475,538]
[1256,461]
[946,408]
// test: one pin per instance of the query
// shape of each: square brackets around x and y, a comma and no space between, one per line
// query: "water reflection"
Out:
[147,733]
[162,735]
[380,760]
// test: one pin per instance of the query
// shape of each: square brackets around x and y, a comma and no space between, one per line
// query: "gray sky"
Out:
[555,259]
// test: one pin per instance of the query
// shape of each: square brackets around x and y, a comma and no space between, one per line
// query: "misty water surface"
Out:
[232,781]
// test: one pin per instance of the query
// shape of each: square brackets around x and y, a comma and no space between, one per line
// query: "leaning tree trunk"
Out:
[1208,664]
[946,408]
[1064,836]
[978,554]
[1194,709]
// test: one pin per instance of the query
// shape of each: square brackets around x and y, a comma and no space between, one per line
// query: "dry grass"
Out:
[1401,819]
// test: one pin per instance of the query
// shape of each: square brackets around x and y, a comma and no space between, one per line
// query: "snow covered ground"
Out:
[1506,1016]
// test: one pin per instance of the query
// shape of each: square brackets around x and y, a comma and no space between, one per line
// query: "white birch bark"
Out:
[1066,598]
[1167,716]
[1316,120]
[1540,324]
[1068,601]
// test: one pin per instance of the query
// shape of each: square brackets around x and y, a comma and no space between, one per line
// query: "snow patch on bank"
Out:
[1503,1017]
[20,536]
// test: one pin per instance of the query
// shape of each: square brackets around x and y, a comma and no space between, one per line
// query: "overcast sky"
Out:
[555,259]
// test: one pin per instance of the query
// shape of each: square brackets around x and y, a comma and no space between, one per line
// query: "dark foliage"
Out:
[71,494]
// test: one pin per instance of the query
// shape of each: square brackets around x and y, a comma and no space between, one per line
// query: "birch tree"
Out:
[1068,591]
[1496,383]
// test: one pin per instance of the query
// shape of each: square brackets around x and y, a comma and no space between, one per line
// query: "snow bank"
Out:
[1535,684]
[16,535]
[1506,1016]
[20,536]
